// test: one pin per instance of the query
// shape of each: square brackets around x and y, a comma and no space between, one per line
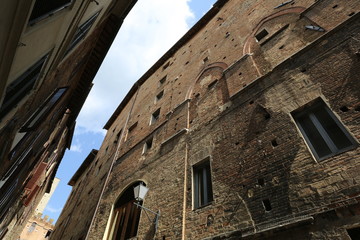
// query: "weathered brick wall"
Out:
[228,98]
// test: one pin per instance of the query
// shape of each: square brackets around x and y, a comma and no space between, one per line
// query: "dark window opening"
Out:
[212,84]
[354,233]
[162,81]
[81,32]
[45,8]
[261,35]
[48,233]
[117,136]
[267,205]
[261,182]
[344,109]
[203,194]
[155,116]
[41,112]
[132,127]
[323,132]
[166,65]
[159,95]
[18,89]
[148,145]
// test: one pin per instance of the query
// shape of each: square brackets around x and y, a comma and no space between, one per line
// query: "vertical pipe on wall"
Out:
[109,172]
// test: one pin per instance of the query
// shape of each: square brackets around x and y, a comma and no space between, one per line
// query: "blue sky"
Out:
[138,45]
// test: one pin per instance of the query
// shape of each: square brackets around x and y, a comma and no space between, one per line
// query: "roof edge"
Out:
[183,40]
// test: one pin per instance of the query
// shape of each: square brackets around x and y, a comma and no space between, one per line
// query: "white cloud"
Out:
[150,29]
[52,209]
[76,147]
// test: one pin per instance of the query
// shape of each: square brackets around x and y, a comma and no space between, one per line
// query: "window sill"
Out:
[203,206]
[332,155]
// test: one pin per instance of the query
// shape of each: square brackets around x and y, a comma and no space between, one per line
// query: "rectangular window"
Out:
[159,96]
[323,132]
[41,112]
[117,138]
[155,116]
[19,88]
[132,127]
[203,194]
[45,8]
[148,145]
[81,32]
[162,81]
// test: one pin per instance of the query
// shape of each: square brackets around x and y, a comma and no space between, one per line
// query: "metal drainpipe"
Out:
[185,176]
[112,165]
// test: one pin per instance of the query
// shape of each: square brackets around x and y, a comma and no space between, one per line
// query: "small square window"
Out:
[261,35]
[323,132]
[166,65]
[147,145]
[155,116]
[159,96]
[203,194]
[132,127]
[162,81]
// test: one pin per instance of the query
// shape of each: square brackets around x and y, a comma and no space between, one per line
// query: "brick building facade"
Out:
[50,52]
[247,128]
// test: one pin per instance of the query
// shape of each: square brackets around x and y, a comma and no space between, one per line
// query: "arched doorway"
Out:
[126,215]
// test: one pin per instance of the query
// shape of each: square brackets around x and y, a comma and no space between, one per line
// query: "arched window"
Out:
[32,227]
[126,216]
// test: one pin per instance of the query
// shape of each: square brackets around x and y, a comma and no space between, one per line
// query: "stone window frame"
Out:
[310,112]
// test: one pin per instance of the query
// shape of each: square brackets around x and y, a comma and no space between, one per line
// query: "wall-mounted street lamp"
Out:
[139,193]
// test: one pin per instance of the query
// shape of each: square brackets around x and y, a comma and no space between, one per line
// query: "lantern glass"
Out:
[140,192]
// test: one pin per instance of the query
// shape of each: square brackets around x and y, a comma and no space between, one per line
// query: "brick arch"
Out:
[220,65]
[249,41]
